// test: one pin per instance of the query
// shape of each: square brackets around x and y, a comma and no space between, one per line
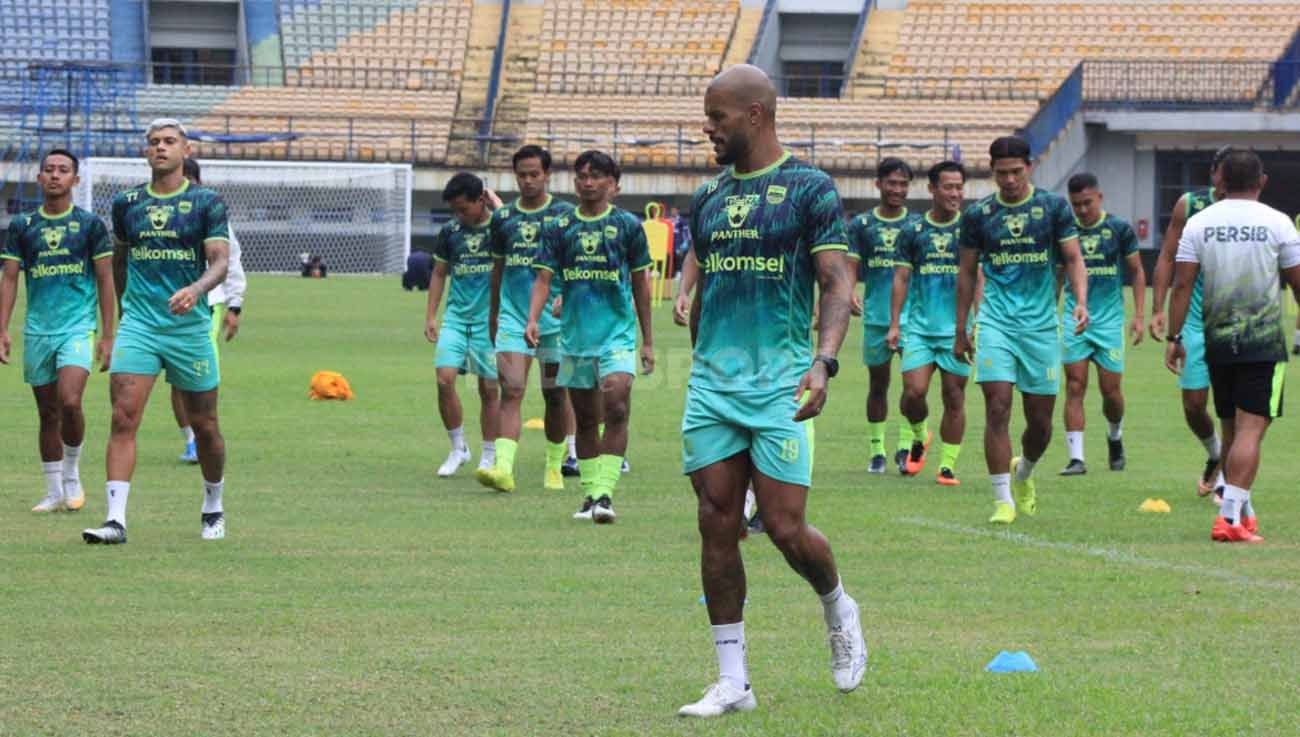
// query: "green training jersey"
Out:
[754,236]
[929,249]
[1196,201]
[873,243]
[1106,246]
[58,252]
[516,239]
[468,256]
[593,259]
[164,237]
[1019,245]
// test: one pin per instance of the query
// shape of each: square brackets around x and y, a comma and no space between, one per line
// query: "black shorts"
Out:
[1250,387]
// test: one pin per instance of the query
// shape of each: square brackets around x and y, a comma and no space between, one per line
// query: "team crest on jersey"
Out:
[941,241]
[738,207]
[888,237]
[775,194]
[1037,212]
[610,232]
[473,242]
[185,206]
[74,227]
[528,232]
[159,215]
[1107,233]
[590,241]
[53,237]
[1016,223]
[1090,243]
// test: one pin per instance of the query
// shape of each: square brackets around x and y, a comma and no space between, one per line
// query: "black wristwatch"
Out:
[832,366]
[235,310]
[1178,338]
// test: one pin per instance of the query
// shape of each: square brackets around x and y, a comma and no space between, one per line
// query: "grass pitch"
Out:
[358,594]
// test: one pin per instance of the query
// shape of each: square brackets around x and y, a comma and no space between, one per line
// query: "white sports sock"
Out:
[1296,340]
[1247,509]
[489,450]
[572,440]
[729,640]
[71,464]
[187,432]
[836,604]
[1219,480]
[1024,470]
[212,496]
[1116,430]
[117,492]
[457,436]
[1002,488]
[53,479]
[1074,442]
[1211,444]
[1233,498]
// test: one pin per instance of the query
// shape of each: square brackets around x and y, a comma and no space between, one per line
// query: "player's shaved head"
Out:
[744,85]
[740,110]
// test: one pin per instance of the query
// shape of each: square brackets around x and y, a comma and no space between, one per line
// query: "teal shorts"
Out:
[548,351]
[1101,344]
[45,355]
[586,372]
[466,348]
[874,350]
[190,360]
[1030,359]
[718,425]
[923,350]
[1196,374]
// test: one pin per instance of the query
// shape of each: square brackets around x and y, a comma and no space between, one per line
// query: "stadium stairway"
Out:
[484,27]
[518,77]
[743,36]
[879,43]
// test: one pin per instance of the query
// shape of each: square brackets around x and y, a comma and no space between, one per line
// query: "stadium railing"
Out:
[1176,84]
[621,83]
[384,74]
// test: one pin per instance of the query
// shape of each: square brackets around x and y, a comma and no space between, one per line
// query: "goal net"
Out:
[356,217]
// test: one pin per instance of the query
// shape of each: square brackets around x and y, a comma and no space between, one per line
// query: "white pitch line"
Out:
[1108,554]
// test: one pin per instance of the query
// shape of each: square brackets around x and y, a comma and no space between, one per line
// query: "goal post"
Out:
[356,217]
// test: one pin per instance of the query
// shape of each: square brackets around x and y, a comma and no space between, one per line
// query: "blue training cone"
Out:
[1017,662]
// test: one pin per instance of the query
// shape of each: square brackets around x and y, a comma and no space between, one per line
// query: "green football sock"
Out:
[555,453]
[920,431]
[876,431]
[611,469]
[506,455]
[589,468]
[905,435]
[949,457]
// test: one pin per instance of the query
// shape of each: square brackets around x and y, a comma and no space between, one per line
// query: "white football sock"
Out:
[1247,509]
[117,492]
[729,641]
[457,436]
[836,604]
[53,479]
[1002,488]
[1219,480]
[71,465]
[1116,430]
[489,453]
[1024,470]
[572,440]
[1074,443]
[1296,340]
[212,496]
[1233,498]
[1211,444]
[187,432]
